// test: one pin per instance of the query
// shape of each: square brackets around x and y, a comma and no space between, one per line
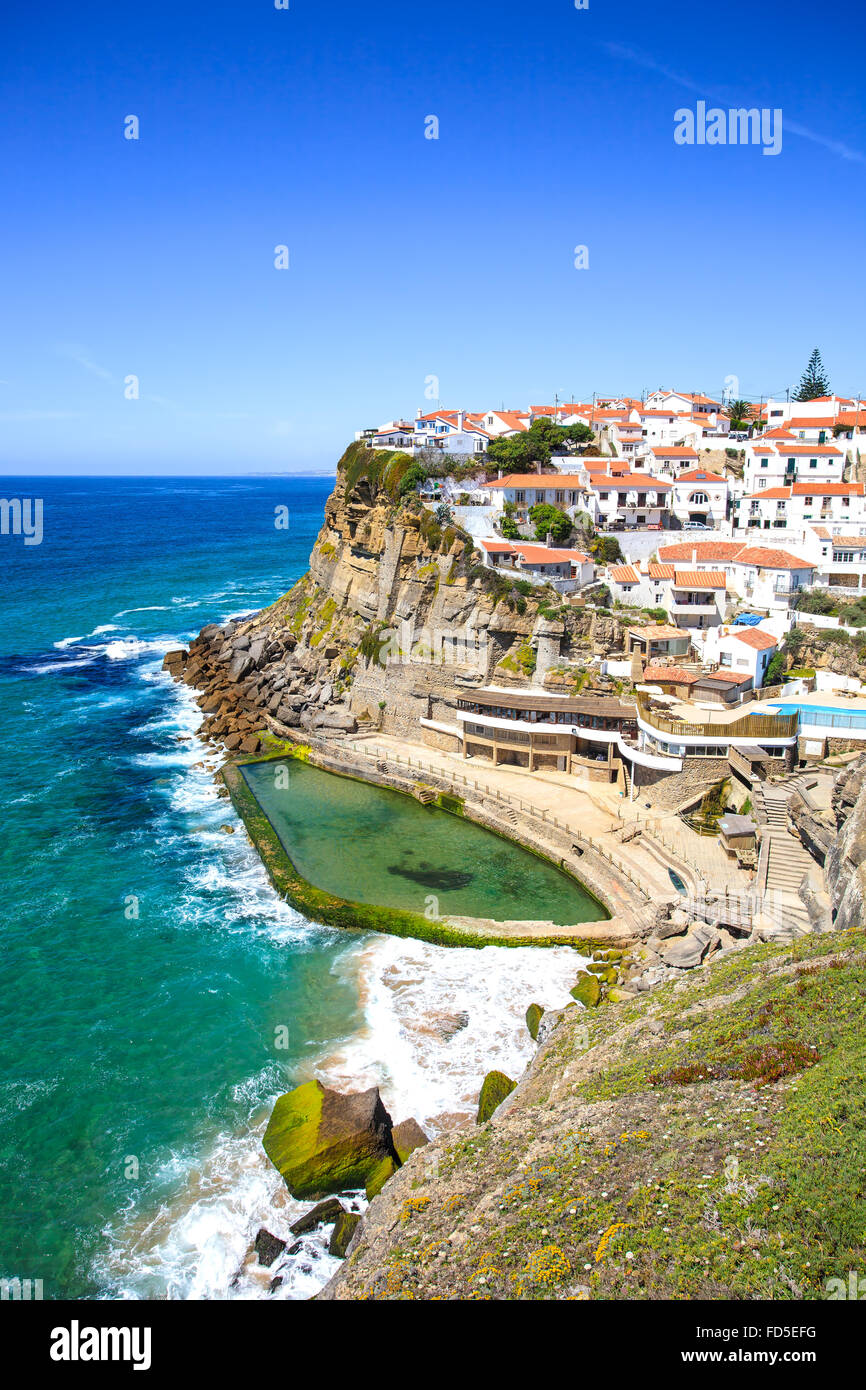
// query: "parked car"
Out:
[696,526]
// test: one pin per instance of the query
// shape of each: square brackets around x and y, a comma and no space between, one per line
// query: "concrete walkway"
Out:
[591,810]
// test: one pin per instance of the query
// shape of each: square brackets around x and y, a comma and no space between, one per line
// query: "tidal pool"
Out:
[369,844]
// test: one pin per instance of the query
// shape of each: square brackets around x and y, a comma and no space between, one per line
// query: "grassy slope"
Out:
[704,1141]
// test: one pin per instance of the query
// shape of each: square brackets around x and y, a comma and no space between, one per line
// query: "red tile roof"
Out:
[661,571]
[700,550]
[697,475]
[674,453]
[765,557]
[754,637]
[700,579]
[624,574]
[538,480]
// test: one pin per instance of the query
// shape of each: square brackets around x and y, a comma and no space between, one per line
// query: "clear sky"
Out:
[409,257]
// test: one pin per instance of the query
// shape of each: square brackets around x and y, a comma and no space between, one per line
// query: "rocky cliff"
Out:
[394,618]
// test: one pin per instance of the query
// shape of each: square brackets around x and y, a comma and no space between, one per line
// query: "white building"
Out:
[745,650]
[763,577]
[801,504]
[777,462]
[700,496]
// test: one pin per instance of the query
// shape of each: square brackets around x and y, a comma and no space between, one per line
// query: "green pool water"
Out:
[369,844]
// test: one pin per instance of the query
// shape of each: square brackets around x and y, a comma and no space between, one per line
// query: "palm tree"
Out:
[740,412]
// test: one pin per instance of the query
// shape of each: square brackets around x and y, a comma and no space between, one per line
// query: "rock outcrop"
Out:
[394,618]
[323,1142]
[845,864]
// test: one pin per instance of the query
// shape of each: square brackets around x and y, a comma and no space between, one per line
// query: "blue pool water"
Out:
[827,716]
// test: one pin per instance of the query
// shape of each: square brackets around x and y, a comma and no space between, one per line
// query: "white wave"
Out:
[49,668]
[68,641]
[148,608]
[414,995]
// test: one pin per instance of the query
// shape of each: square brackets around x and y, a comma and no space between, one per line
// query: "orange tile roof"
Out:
[661,571]
[697,475]
[674,453]
[754,637]
[540,554]
[624,574]
[700,579]
[765,557]
[829,489]
[538,480]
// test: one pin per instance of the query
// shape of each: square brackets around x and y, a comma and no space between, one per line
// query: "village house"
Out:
[700,496]
[800,504]
[773,463]
[538,562]
[765,577]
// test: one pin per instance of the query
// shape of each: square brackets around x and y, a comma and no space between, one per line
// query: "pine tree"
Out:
[814,382]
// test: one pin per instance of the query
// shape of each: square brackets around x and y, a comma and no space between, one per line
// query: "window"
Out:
[559,496]
[520,496]
[763,463]
[813,463]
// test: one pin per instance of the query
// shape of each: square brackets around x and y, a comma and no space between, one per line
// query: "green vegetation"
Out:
[710,1145]
[606,550]
[814,382]
[518,453]
[775,672]
[548,519]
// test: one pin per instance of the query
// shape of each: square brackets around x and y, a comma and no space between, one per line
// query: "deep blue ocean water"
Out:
[147,967]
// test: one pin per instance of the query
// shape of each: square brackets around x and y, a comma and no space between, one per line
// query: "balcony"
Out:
[766,727]
[693,609]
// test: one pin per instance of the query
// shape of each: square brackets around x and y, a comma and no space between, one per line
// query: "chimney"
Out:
[461,418]
[694,558]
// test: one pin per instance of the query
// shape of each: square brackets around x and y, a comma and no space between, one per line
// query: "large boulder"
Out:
[495,1087]
[323,1142]
[241,664]
[686,952]
[268,1247]
[406,1137]
[587,990]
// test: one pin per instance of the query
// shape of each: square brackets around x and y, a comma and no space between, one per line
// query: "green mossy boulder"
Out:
[534,1015]
[587,990]
[406,1137]
[344,1229]
[495,1087]
[385,1169]
[323,1142]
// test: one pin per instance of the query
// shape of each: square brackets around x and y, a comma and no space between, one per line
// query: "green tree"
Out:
[414,478]
[548,519]
[740,412]
[776,668]
[443,514]
[814,382]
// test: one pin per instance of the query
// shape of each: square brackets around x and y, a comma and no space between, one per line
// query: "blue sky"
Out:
[409,257]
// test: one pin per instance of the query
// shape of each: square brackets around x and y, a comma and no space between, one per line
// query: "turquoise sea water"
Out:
[146,966]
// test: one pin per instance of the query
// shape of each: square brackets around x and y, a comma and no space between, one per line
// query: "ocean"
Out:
[149,974]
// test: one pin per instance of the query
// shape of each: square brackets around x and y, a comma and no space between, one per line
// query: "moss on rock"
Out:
[384,1169]
[534,1015]
[495,1087]
[587,990]
[323,1142]
[344,1228]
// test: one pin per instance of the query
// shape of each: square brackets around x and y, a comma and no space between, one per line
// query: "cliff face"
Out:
[394,618]
[845,864]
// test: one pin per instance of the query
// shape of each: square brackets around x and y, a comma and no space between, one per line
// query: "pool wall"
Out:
[621,915]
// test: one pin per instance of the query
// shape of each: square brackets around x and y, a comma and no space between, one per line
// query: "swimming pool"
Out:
[827,716]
